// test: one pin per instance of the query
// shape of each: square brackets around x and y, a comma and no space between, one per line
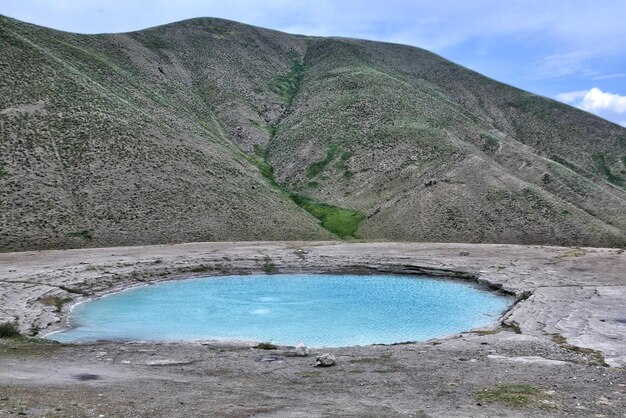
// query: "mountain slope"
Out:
[212,130]
[101,148]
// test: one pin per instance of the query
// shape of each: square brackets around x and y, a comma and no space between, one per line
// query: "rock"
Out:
[325,360]
[302,350]
[604,401]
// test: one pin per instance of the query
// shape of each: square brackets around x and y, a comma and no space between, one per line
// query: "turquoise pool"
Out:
[317,309]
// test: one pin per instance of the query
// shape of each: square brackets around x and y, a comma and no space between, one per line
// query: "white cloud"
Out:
[607,105]
[596,101]
[563,65]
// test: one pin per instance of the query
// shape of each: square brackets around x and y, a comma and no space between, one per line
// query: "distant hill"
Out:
[208,129]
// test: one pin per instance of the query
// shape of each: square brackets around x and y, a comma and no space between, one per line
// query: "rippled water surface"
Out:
[319,310]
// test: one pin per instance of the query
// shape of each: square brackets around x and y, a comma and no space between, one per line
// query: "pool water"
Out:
[319,310]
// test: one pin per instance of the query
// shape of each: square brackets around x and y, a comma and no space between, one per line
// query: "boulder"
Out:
[302,350]
[325,360]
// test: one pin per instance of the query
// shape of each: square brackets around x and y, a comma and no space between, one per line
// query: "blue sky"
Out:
[571,50]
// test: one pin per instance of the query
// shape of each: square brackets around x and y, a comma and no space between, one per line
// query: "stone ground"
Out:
[563,341]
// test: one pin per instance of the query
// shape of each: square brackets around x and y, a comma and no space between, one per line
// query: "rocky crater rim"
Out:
[406,270]
[570,295]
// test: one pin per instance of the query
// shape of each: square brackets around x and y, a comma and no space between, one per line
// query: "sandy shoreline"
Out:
[570,313]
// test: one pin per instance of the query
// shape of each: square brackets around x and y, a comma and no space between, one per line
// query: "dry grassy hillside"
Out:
[212,130]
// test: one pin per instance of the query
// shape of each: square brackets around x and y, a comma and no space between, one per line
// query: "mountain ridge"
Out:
[209,129]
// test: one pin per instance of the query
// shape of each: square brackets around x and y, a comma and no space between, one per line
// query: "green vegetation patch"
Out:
[340,221]
[600,162]
[515,395]
[319,166]
[260,161]
[266,170]
[342,164]
[27,346]
[85,234]
[272,129]
[286,86]
[594,357]
[266,346]
[268,265]
[259,151]
[9,330]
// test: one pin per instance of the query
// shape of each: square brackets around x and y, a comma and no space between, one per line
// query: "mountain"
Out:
[208,129]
